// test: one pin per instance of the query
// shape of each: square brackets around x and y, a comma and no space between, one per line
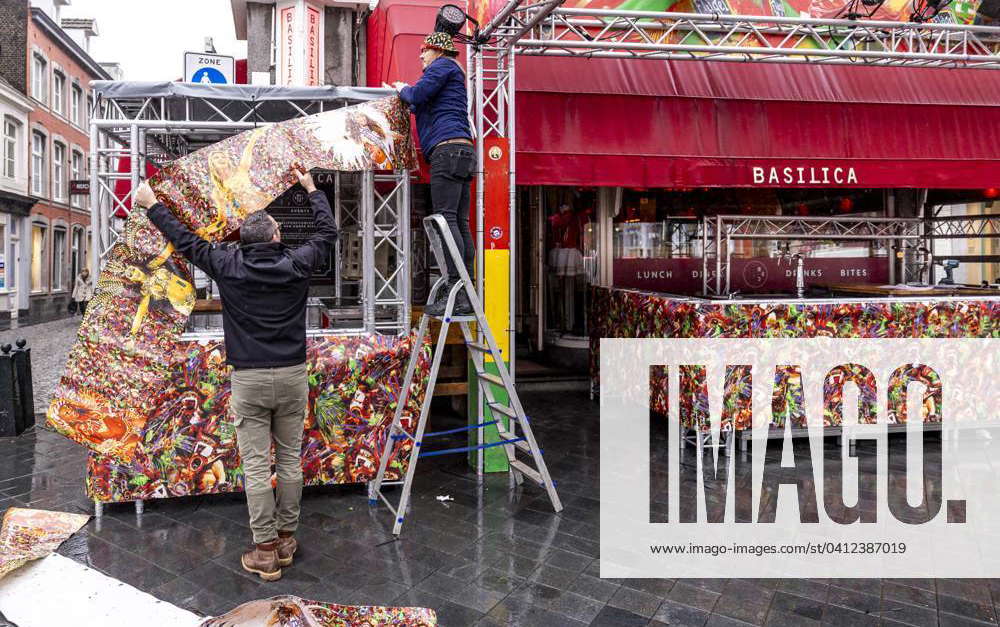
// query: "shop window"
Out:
[76,172]
[10,134]
[11,258]
[657,238]
[39,258]
[59,188]
[59,259]
[39,78]
[570,257]
[59,92]
[39,169]
[3,265]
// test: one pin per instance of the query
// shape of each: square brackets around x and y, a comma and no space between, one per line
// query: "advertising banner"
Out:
[756,274]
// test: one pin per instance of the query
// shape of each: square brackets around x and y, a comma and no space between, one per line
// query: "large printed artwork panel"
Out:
[622,313]
[188,445]
[122,360]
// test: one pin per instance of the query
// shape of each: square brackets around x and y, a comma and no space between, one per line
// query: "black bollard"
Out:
[8,394]
[25,388]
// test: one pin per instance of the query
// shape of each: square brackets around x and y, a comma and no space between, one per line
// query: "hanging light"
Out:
[451,19]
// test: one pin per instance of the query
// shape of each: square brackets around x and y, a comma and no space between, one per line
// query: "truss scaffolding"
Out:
[159,122]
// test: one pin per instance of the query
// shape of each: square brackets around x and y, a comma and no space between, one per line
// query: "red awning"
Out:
[641,123]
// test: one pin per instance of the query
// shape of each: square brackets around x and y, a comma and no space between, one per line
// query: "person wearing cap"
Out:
[440,103]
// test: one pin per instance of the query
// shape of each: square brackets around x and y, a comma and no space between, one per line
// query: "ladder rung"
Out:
[516,441]
[460,429]
[465,449]
[491,378]
[476,346]
[528,471]
[503,409]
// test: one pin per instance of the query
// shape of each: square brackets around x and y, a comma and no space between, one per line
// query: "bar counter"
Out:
[627,313]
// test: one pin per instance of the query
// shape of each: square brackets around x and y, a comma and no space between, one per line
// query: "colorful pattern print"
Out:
[188,445]
[122,360]
[621,313]
[290,611]
[31,534]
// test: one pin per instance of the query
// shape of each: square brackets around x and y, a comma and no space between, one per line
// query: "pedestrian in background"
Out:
[440,103]
[83,291]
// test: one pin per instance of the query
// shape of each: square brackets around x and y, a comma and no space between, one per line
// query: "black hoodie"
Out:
[264,287]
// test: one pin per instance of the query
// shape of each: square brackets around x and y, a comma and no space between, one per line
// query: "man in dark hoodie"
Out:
[264,286]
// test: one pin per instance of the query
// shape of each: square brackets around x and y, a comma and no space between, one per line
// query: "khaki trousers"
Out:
[270,403]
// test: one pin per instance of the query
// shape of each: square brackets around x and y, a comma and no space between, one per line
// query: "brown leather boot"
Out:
[263,560]
[286,548]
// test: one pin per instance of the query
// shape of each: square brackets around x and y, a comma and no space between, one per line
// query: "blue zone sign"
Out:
[201,67]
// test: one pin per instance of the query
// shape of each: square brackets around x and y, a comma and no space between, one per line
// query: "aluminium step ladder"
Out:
[515,436]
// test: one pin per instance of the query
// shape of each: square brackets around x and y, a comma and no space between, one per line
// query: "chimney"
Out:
[81,29]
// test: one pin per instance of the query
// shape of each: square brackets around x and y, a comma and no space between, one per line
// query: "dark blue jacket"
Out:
[439,101]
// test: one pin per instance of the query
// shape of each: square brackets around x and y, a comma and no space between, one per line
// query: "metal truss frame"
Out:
[717,37]
[964,227]
[159,129]
[718,232]
[545,28]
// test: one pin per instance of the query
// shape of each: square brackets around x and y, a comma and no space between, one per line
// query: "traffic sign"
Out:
[203,67]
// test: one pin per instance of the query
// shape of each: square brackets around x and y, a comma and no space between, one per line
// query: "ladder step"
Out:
[476,346]
[491,378]
[520,443]
[528,471]
[503,409]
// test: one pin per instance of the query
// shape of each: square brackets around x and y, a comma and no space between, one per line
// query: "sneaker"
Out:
[286,549]
[262,560]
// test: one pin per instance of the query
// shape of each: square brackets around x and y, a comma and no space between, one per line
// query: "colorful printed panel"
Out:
[291,611]
[188,444]
[31,534]
[122,360]
[620,313]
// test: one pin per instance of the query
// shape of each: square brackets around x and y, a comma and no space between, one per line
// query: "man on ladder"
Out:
[440,103]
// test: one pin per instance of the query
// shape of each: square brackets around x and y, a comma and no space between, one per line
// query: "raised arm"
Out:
[317,248]
[200,252]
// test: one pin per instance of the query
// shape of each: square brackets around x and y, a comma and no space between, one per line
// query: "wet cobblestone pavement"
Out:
[491,557]
[50,343]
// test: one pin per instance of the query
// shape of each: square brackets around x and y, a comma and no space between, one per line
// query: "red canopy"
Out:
[643,123]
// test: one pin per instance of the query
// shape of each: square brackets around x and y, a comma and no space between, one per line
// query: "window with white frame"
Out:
[10,133]
[39,171]
[76,172]
[75,98]
[39,78]
[58,171]
[59,258]
[39,257]
[87,111]
[59,92]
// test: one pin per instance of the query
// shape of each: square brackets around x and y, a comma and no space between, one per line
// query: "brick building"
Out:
[52,66]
